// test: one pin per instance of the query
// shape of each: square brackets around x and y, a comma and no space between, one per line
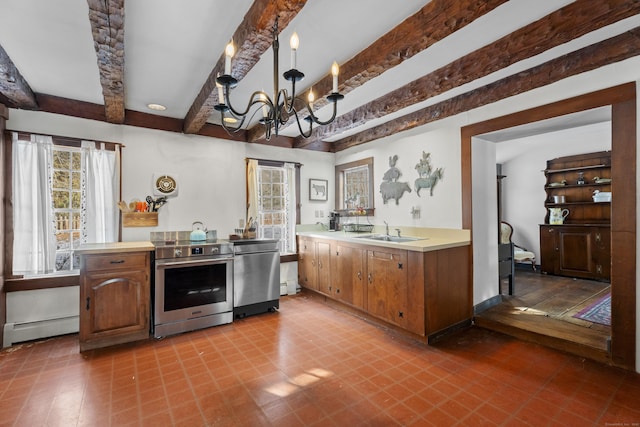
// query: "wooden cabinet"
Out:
[581,245]
[115,298]
[576,251]
[348,276]
[387,285]
[423,293]
[314,265]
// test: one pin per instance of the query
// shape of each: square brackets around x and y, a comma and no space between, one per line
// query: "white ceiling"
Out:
[171,47]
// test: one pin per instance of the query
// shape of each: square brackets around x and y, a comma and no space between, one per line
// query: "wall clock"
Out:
[165,184]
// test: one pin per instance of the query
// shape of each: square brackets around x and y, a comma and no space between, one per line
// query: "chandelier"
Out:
[276,110]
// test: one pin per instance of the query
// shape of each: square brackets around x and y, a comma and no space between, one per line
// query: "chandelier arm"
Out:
[319,122]
[306,119]
[230,129]
[253,100]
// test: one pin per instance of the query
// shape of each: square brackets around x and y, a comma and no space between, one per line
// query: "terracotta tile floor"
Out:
[310,364]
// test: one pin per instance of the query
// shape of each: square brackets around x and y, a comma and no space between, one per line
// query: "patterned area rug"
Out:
[598,312]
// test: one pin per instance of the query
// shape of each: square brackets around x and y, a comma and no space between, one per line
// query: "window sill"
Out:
[15,285]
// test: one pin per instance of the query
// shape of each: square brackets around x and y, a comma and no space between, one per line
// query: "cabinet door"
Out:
[575,248]
[387,285]
[548,249]
[307,264]
[348,275]
[114,305]
[323,257]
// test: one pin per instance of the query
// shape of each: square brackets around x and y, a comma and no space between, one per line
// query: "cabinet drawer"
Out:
[136,260]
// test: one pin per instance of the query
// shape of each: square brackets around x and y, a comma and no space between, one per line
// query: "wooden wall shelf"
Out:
[139,219]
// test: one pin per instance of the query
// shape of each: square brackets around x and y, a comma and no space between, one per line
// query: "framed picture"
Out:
[318,189]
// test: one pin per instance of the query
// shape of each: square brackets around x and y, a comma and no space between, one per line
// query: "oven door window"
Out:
[186,287]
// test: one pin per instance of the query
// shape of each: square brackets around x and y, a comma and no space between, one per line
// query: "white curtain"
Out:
[100,193]
[252,189]
[291,203]
[34,243]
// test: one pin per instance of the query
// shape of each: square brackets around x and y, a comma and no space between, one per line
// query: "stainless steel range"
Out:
[193,286]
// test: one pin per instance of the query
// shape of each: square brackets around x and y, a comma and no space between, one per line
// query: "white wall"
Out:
[485,219]
[444,208]
[522,162]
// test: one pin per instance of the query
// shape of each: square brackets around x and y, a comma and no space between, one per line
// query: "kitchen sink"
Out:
[386,238]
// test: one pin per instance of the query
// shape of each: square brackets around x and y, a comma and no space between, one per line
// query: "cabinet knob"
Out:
[88,303]
[370,278]
[360,275]
[598,237]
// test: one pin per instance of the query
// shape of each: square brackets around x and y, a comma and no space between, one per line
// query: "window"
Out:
[67,205]
[354,186]
[63,192]
[273,189]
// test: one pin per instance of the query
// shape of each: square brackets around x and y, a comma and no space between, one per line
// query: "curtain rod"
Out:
[66,139]
[273,161]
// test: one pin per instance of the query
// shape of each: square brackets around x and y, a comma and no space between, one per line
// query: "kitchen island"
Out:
[115,294]
[419,284]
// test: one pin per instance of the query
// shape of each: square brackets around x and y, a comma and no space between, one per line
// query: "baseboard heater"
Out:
[28,331]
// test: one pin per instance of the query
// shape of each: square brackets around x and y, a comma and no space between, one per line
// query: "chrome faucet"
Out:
[398,231]
[386,224]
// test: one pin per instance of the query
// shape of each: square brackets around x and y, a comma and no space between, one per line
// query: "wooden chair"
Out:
[520,254]
[509,253]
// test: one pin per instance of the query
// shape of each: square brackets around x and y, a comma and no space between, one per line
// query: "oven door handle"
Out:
[194,263]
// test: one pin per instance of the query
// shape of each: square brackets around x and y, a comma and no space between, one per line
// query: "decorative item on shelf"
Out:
[559,199]
[276,110]
[599,180]
[558,184]
[601,196]
[557,215]
[580,178]
[390,188]
[318,189]
[428,177]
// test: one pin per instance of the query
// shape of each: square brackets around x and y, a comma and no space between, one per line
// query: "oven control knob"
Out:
[215,249]
[177,252]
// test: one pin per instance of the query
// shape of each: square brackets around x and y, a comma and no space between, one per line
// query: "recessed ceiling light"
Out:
[157,107]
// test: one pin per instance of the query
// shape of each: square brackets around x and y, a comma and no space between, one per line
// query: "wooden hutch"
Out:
[581,246]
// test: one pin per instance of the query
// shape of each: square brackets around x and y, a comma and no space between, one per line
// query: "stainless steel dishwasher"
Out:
[256,277]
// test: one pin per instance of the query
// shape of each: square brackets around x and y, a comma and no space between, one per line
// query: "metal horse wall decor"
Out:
[390,188]
[428,177]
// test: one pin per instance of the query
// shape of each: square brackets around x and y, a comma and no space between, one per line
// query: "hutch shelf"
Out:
[581,245]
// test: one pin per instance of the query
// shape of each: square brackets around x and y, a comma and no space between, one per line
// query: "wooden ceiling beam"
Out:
[615,49]
[251,39]
[14,89]
[559,27]
[107,26]
[435,21]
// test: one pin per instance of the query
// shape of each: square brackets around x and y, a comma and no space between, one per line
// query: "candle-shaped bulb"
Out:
[311,98]
[220,91]
[294,43]
[228,52]
[265,107]
[335,70]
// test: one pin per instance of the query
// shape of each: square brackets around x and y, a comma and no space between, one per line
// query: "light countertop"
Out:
[432,239]
[105,248]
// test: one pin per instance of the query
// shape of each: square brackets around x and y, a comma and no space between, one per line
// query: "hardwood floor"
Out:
[541,310]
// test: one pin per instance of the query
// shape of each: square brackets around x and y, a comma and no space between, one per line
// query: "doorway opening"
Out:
[622,100]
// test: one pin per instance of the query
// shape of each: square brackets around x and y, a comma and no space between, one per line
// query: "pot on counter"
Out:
[198,233]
